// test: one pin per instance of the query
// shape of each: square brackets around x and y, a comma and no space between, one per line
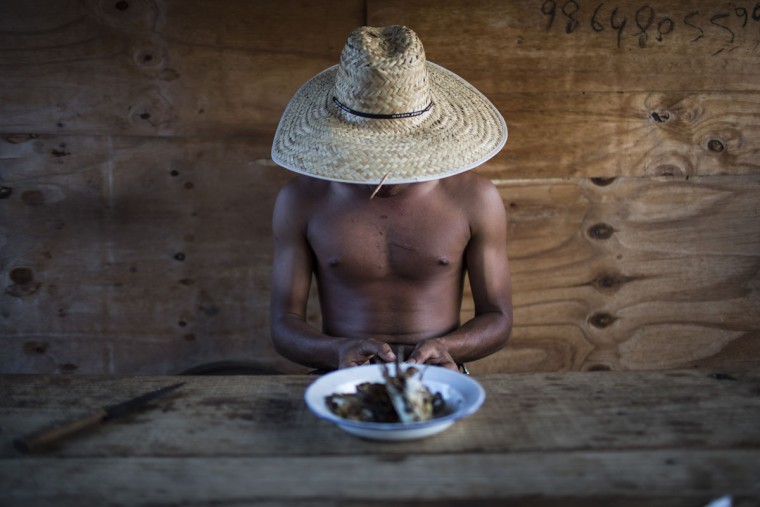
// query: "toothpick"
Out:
[379,185]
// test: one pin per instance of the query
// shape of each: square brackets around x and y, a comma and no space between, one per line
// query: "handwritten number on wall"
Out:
[647,20]
[741,12]
[722,15]
[618,25]
[644,18]
[595,24]
[664,27]
[549,9]
[569,9]
[687,22]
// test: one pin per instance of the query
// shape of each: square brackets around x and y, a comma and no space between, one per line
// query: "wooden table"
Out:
[679,438]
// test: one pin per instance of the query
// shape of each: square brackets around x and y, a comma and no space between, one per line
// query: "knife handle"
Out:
[52,434]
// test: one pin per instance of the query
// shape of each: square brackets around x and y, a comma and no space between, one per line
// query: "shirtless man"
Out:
[389,259]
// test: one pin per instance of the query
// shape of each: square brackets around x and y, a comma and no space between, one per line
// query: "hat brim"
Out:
[461,131]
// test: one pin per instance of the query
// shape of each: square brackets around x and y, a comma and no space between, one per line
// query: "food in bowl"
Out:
[402,398]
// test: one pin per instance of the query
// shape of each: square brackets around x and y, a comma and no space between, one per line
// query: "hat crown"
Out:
[383,71]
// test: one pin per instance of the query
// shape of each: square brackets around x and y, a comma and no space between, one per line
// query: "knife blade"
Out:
[54,433]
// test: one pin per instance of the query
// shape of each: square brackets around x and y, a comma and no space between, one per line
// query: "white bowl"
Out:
[462,394]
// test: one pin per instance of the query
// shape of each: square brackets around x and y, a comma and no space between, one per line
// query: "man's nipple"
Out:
[443,261]
[333,261]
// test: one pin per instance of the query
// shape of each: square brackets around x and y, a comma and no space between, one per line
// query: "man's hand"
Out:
[432,351]
[359,352]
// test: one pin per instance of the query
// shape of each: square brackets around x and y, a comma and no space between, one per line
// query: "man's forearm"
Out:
[301,343]
[479,337]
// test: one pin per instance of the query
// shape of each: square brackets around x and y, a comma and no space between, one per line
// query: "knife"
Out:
[50,435]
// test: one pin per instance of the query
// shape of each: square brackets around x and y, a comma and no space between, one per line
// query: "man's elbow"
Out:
[278,334]
[504,327]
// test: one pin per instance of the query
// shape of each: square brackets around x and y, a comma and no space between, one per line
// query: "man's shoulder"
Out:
[301,184]
[476,196]
[469,186]
[302,190]
[298,199]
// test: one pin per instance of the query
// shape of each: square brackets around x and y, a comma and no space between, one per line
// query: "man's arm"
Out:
[292,268]
[488,271]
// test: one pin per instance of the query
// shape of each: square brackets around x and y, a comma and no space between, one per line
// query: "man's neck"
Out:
[392,189]
[384,191]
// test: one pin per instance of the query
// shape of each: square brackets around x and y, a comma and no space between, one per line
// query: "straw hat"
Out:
[385,114]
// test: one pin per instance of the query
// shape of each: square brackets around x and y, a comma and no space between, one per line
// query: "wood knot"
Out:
[21,275]
[148,57]
[715,146]
[121,5]
[601,231]
[607,282]
[601,320]
[602,182]
[660,117]
[34,348]
[62,152]
[179,256]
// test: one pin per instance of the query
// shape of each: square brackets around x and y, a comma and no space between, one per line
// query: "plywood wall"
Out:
[136,185]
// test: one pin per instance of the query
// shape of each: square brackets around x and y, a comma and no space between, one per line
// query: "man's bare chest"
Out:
[417,243]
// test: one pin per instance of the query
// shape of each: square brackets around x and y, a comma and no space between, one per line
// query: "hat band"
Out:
[376,116]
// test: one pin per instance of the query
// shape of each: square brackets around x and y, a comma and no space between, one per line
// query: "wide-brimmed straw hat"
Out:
[385,114]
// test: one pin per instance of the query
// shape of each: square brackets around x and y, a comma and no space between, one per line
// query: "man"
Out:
[385,214]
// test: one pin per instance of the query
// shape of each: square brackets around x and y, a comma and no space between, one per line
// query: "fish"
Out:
[401,398]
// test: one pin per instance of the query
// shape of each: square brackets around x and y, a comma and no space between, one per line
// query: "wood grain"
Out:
[633,274]
[666,438]
[623,479]
[681,134]
[136,254]
[165,67]
[513,47]
[245,416]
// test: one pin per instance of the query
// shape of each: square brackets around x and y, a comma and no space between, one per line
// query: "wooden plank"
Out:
[685,104]
[670,438]
[582,134]
[162,68]
[264,416]
[682,478]
[632,274]
[552,46]
[136,254]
